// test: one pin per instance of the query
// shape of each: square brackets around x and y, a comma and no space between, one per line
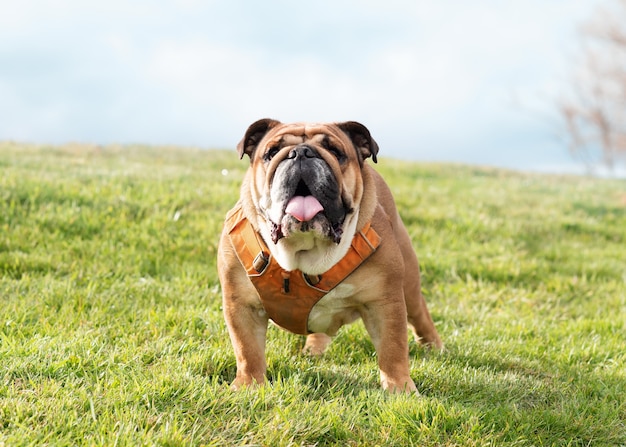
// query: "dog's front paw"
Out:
[406,386]
[246,381]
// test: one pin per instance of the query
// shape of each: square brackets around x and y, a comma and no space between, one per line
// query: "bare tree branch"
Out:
[594,112]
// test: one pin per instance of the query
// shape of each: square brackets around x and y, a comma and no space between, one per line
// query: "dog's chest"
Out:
[334,310]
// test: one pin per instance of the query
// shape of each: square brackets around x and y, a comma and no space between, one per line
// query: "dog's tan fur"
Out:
[384,291]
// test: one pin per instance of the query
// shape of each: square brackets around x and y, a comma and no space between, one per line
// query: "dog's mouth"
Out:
[304,206]
[304,212]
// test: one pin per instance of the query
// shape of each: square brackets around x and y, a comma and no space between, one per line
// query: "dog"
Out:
[316,242]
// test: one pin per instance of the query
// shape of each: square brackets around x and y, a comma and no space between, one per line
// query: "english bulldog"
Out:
[316,242]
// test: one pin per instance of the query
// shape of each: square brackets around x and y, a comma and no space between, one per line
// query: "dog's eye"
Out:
[340,156]
[334,150]
[271,153]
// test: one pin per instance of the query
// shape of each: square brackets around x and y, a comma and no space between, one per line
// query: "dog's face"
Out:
[306,187]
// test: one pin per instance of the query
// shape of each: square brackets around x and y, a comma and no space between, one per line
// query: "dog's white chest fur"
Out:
[307,252]
[335,309]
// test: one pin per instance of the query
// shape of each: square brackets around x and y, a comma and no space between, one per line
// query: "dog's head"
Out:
[305,183]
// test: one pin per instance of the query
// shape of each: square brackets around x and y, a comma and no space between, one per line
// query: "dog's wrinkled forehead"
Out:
[314,134]
[290,138]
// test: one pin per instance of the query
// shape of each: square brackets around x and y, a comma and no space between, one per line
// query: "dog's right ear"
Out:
[254,135]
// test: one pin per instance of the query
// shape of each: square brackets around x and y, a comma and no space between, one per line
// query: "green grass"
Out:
[111,330]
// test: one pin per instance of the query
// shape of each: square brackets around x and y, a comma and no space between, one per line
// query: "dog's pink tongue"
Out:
[304,208]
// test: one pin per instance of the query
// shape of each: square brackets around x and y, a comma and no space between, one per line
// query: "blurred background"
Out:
[487,82]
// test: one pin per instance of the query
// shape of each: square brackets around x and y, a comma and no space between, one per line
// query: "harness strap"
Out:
[289,296]
[251,250]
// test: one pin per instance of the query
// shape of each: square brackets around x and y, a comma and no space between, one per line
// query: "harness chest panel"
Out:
[289,296]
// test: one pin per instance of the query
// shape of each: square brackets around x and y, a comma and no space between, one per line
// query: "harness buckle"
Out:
[312,280]
[260,262]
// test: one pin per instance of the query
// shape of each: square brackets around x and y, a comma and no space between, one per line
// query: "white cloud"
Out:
[419,73]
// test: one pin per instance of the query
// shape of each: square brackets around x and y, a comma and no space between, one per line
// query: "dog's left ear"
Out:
[361,139]
[254,135]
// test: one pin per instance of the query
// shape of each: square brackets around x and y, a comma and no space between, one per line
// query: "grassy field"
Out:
[111,331]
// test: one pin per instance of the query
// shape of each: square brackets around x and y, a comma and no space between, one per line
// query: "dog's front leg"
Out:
[386,325]
[247,327]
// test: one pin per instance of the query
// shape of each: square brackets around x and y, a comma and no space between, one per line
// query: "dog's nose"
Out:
[302,151]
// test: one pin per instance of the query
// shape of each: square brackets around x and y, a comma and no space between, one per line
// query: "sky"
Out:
[433,80]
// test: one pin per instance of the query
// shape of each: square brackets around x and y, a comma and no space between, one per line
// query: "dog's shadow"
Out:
[349,365]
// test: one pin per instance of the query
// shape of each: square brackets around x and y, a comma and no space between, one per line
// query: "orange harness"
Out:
[289,296]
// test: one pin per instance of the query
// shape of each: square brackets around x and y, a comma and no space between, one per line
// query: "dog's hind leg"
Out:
[316,344]
[418,316]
